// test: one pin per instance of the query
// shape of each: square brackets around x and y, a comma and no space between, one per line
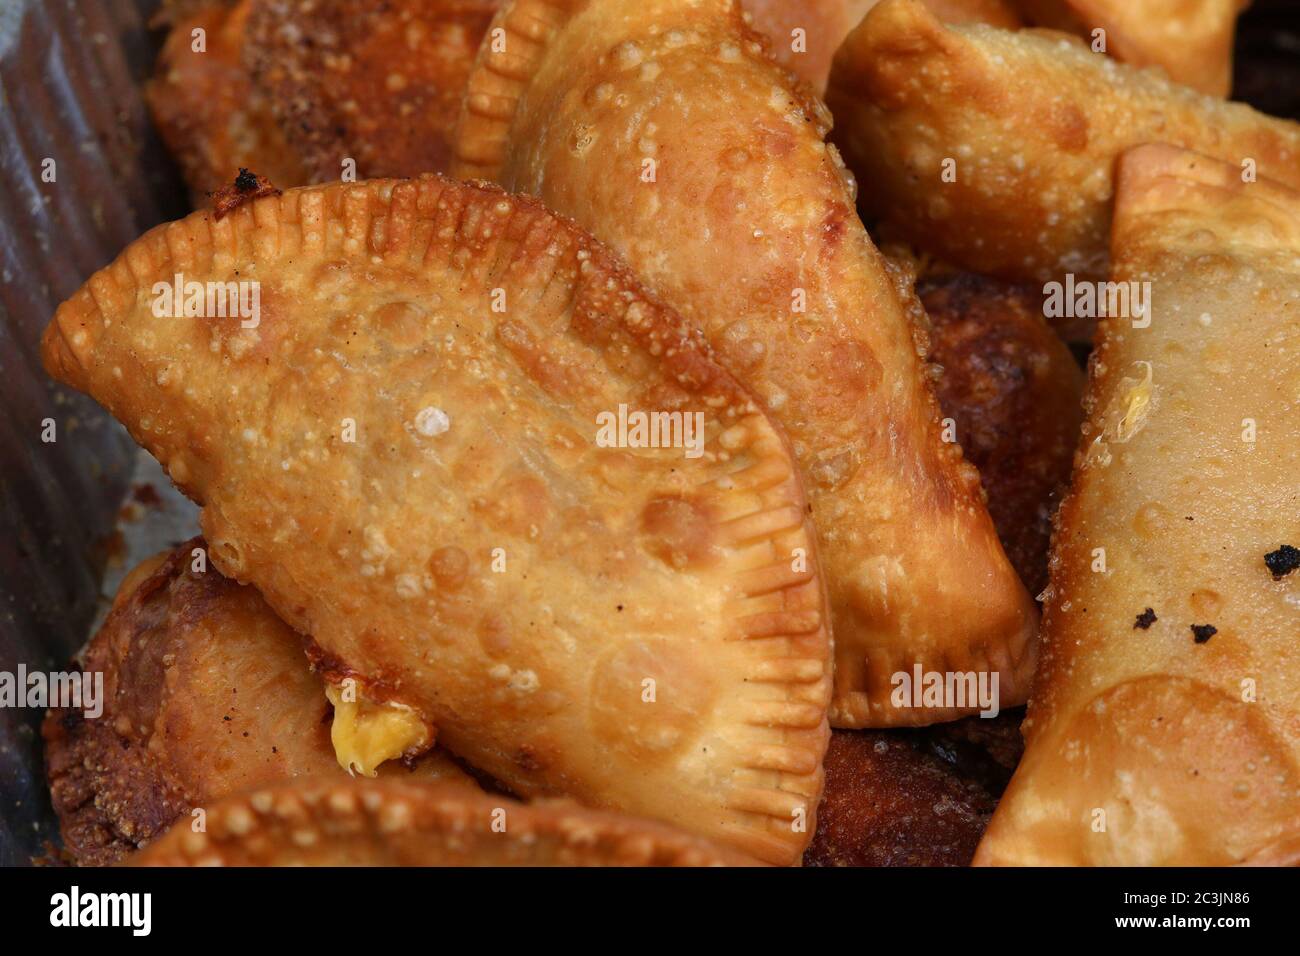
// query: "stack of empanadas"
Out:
[571,458]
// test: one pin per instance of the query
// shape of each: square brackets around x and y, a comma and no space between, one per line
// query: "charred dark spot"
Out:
[1145,619]
[247,186]
[1203,632]
[1282,561]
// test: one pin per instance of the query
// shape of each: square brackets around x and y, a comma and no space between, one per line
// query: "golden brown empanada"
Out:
[375,81]
[1191,40]
[664,127]
[806,33]
[1012,390]
[435,454]
[207,110]
[1165,723]
[996,150]
[206,693]
[408,823]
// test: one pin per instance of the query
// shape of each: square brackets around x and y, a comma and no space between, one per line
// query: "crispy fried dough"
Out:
[411,458]
[207,111]
[206,693]
[825,23]
[376,82]
[892,801]
[1013,390]
[1191,40]
[1165,723]
[664,127]
[1034,125]
[406,823]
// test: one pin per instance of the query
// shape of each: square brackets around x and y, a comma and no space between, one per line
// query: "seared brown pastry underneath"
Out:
[1014,391]
[207,111]
[913,797]
[377,82]
[206,692]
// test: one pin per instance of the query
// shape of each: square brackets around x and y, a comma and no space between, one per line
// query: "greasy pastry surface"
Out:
[405,823]
[404,458]
[825,24]
[207,111]
[1034,123]
[207,693]
[1177,726]
[748,228]
[377,81]
[891,801]
[1191,40]
[1013,391]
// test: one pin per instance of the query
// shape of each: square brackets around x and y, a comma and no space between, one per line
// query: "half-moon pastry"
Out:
[207,111]
[1191,40]
[406,823]
[378,82]
[1165,723]
[206,693]
[1011,390]
[664,127]
[499,484]
[806,33]
[996,150]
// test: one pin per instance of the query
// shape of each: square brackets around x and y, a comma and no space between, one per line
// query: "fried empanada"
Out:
[806,33]
[1191,40]
[206,693]
[435,454]
[996,150]
[1012,389]
[407,823]
[1165,723]
[378,82]
[664,127]
[207,111]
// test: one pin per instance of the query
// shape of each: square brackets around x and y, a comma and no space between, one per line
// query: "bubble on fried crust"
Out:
[450,567]
[648,700]
[677,531]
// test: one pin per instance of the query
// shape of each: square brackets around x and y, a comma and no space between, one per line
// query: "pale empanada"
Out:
[432,454]
[206,693]
[1191,40]
[206,109]
[996,150]
[405,823]
[378,82]
[664,127]
[806,33]
[1165,723]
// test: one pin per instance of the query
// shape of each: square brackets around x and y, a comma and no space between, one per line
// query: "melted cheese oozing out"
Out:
[1138,401]
[365,734]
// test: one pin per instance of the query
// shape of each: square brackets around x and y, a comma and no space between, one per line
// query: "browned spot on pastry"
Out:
[450,566]
[677,531]
[1145,619]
